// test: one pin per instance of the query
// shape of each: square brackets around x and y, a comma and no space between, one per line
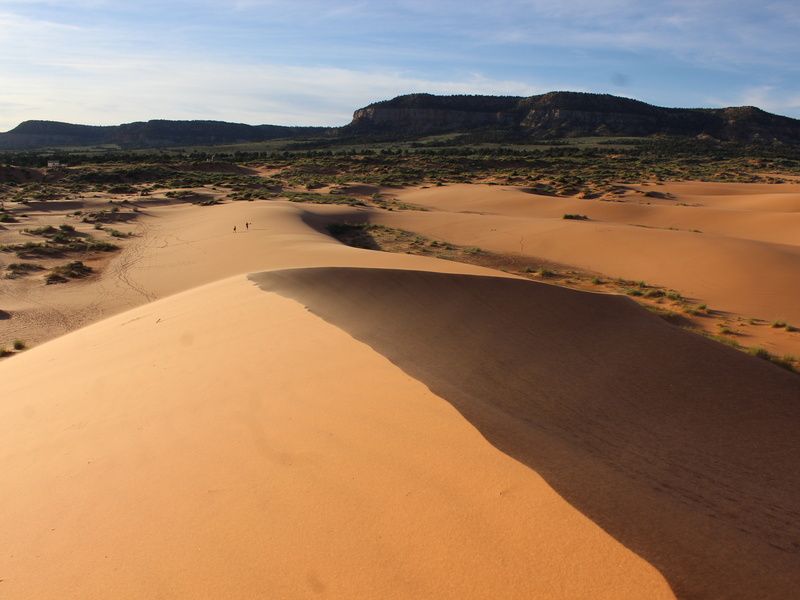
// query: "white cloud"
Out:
[86,74]
[766,97]
[107,61]
[98,93]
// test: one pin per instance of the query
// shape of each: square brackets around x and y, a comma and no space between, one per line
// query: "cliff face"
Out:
[565,122]
[427,120]
[552,115]
[567,114]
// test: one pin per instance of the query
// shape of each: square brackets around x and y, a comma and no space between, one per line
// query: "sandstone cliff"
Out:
[567,114]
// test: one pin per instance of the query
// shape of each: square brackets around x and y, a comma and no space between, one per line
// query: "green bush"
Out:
[21,269]
[74,270]
[44,231]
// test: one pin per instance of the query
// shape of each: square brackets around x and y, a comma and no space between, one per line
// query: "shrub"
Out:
[761,353]
[786,362]
[74,270]
[315,198]
[574,217]
[20,269]
[19,345]
[45,231]
[31,249]
[60,238]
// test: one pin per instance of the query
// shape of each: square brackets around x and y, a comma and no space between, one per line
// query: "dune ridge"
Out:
[197,445]
[226,443]
[735,246]
[681,448]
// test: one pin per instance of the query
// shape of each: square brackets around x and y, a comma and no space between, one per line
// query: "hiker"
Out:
[234,229]
[247,225]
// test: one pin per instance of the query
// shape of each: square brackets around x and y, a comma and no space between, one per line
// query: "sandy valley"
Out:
[274,413]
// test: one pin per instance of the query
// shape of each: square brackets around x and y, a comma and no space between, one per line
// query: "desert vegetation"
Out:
[590,168]
[669,304]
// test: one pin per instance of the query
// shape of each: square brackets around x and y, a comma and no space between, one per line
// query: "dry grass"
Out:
[669,304]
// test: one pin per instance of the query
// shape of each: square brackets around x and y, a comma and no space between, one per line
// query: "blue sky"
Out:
[313,62]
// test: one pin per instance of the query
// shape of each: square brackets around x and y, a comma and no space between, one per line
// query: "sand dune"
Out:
[392,426]
[226,443]
[179,248]
[742,261]
[681,448]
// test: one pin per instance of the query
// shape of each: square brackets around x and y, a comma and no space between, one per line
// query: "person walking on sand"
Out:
[234,229]
[247,226]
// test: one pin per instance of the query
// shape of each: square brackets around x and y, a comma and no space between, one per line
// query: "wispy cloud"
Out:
[766,97]
[314,61]
[253,93]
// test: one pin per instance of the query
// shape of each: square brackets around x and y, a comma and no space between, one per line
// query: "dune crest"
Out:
[226,443]
[681,448]
[735,246]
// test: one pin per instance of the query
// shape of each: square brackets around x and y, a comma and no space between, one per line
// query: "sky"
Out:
[310,62]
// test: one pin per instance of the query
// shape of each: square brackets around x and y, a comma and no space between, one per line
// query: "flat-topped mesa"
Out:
[568,114]
[547,116]
[424,113]
[145,134]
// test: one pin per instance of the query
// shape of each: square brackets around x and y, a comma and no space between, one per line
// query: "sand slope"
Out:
[683,449]
[736,247]
[493,437]
[179,248]
[226,443]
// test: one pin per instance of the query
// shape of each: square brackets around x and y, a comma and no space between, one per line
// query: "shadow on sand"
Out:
[681,448]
